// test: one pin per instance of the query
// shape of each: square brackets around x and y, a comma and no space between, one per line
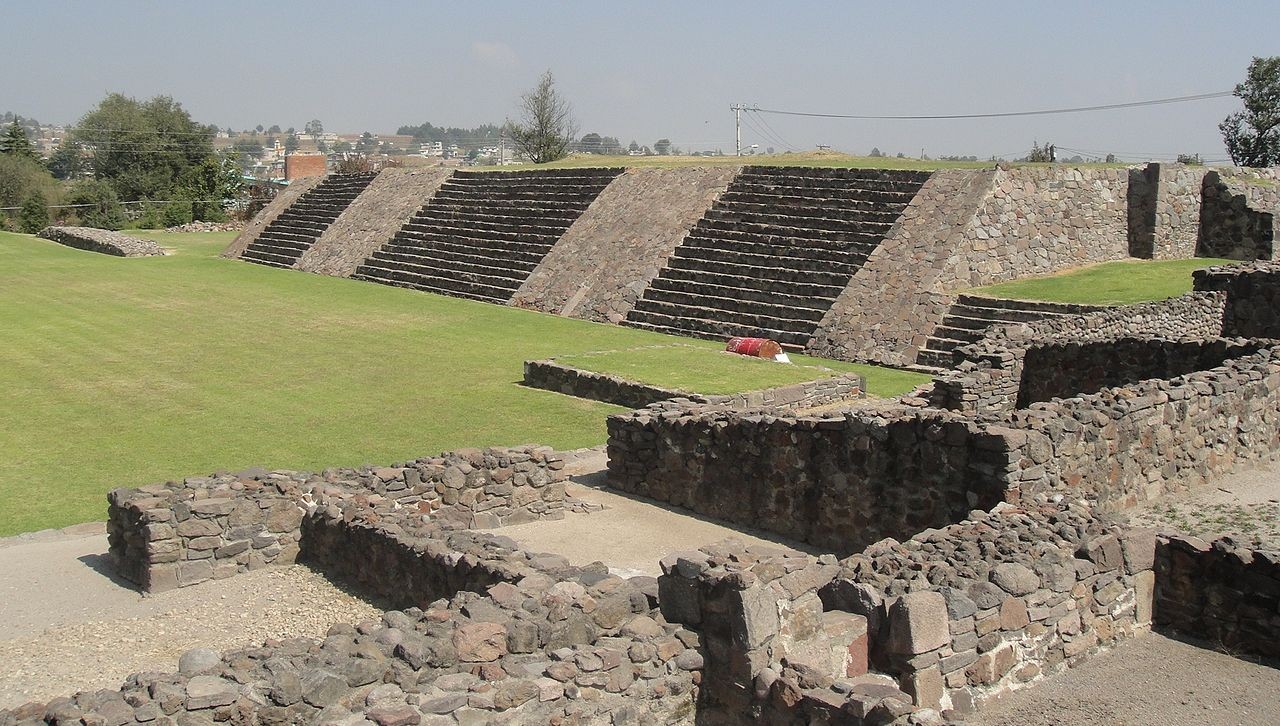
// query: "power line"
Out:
[1005,114]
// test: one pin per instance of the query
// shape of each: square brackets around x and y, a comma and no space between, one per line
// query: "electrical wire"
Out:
[1004,114]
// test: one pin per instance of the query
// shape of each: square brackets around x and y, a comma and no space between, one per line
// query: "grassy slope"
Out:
[710,370]
[1110,283]
[121,372]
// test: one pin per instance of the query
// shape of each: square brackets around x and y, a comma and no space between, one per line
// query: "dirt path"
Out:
[1245,505]
[1148,680]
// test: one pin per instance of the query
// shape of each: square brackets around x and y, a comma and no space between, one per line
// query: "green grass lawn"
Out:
[1110,283]
[123,372]
[709,370]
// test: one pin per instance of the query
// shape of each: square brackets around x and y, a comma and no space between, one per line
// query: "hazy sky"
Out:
[648,70]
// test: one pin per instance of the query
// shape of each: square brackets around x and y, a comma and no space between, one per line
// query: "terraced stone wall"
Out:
[1222,592]
[371,220]
[605,260]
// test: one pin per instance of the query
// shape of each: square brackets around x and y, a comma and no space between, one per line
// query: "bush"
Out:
[175,213]
[104,210]
[34,215]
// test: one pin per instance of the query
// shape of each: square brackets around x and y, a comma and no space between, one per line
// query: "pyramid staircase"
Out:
[483,233]
[971,316]
[298,227]
[773,253]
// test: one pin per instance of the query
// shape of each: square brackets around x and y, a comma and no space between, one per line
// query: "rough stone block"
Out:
[918,623]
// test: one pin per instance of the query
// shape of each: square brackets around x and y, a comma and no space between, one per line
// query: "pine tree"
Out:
[34,215]
[15,142]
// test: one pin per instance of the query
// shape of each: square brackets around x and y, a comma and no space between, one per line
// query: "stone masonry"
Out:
[283,200]
[102,240]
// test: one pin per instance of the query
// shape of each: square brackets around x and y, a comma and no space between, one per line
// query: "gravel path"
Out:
[1245,505]
[1148,680]
[66,625]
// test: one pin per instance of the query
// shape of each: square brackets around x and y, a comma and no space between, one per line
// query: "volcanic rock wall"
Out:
[284,199]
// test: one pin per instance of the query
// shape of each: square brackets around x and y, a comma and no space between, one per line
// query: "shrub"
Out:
[104,210]
[34,215]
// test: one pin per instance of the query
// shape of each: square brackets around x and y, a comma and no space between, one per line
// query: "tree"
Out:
[546,126]
[662,147]
[591,144]
[876,153]
[291,142]
[22,176]
[341,147]
[367,144]
[313,129]
[34,215]
[1190,159]
[1252,135]
[15,141]
[248,147]
[1040,153]
[275,129]
[66,161]
[142,148]
[258,128]
[633,147]
[104,210]
[205,187]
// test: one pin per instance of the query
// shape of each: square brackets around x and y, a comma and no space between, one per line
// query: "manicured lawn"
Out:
[1110,283]
[122,372]
[708,369]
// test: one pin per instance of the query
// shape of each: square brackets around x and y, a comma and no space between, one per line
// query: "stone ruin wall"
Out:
[182,533]
[284,199]
[371,220]
[1252,295]
[102,241]
[1240,218]
[603,263]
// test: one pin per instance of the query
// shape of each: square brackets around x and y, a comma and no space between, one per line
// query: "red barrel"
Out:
[755,347]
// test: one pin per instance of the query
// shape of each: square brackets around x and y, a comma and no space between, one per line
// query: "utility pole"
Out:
[502,147]
[737,127]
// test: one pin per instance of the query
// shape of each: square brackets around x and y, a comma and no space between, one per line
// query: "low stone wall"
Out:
[1063,370]
[182,533]
[997,601]
[553,376]
[283,200]
[988,373]
[371,220]
[1252,291]
[602,264]
[1239,220]
[102,240]
[838,480]
[1220,592]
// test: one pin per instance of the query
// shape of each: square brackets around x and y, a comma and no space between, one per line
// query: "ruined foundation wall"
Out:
[371,220]
[1252,297]
[1241,216]
[284,199]
[601,266]
[1222,592]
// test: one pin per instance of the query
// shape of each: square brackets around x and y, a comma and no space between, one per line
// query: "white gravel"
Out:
[66,627]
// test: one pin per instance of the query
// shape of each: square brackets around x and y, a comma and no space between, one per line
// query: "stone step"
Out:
[537,207]
[861,211]
[785,222]
[292,245]
[452,218]
[564,187]
[789,202]
[527,236]
[666,286]
[580,200]
[459,240]
[267,257]
[771,234]
[300,222]
[944,344]
[1027,305]
[825,196]
[429,263]
[465,249]
[286,235]
[968,335]
[455,286]
[602,173]
[828,251]
[776,273]
[771,308]
[797,288]
[828,183]
[959,321]
[1003,315]
[714,329]
[742,318]
[944,359]
[847,264]
[833,172]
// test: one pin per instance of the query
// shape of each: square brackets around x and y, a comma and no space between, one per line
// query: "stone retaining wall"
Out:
[371,220]
[102,240]
[835,480]
[600,267]
[1239,221]
[552,376]
[1164,203]
[1252,291]
[1220,592]
[178,534]
[284,199]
